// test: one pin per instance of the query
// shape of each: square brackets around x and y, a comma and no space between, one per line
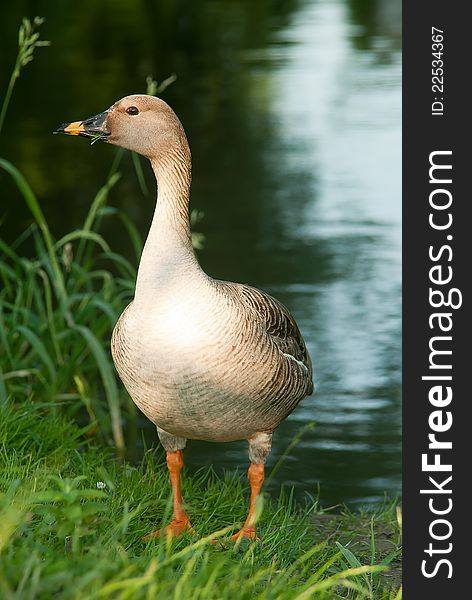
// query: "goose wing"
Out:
[282,330]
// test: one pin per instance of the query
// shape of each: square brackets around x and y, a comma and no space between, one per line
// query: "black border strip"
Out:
[424,247]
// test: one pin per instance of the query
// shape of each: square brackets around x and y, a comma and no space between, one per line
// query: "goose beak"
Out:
[94,127]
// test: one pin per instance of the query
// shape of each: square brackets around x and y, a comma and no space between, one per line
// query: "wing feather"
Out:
[280,326]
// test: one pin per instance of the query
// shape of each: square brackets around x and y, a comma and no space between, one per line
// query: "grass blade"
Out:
[349,556]
[38,215]
[139,173]
[109,383]
[82,234]
[40,350]
[98,202]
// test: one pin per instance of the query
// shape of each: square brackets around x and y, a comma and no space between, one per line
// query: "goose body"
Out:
[206,362]
[201,358]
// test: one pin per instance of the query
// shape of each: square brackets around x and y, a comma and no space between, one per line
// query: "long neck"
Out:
[168,253]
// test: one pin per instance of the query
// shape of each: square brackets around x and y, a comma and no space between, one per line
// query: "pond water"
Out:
[293,112]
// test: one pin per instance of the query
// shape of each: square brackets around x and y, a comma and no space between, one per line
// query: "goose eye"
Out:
[132,110]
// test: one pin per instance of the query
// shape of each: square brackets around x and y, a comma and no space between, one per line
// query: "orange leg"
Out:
[256,478]
[180,521]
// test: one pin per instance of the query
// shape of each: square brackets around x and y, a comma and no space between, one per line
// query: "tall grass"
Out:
[57,311]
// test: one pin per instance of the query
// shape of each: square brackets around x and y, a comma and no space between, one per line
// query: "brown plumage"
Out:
[202,358]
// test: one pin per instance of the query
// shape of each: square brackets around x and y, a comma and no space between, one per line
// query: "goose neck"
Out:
[168,254]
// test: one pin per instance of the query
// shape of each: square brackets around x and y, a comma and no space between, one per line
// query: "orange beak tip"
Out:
[74,128]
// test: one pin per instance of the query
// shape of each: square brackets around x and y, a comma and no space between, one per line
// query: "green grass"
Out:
[57,311]
[63,418]
[62,537]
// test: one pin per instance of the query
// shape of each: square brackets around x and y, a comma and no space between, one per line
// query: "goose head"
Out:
[144,124]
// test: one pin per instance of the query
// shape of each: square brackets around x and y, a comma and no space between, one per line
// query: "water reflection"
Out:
[293,114]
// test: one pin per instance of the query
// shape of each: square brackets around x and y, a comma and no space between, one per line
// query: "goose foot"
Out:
[245,532]
[175,528]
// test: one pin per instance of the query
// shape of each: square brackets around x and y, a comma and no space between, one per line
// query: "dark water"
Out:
[292,110]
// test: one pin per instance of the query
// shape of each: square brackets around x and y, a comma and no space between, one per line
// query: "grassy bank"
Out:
[64,536]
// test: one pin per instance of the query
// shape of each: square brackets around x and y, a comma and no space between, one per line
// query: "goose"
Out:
[203,359]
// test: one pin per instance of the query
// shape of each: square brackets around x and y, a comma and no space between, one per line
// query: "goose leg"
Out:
[175,461]
[259,448]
